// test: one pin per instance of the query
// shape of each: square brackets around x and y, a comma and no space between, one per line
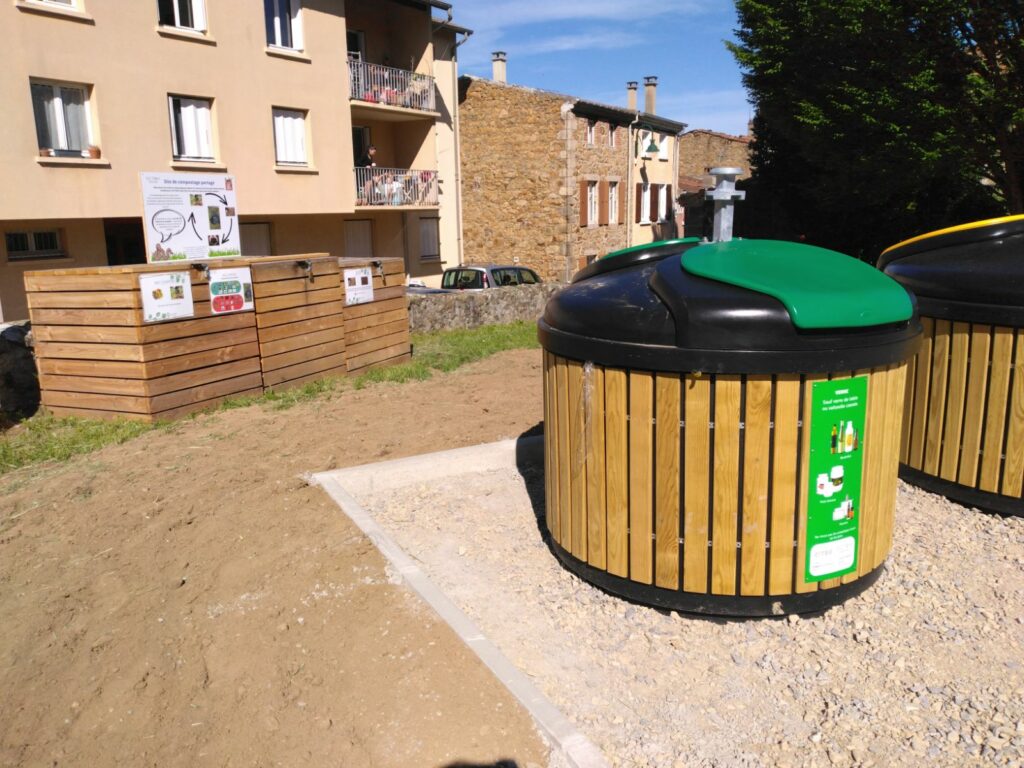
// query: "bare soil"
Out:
[188,599]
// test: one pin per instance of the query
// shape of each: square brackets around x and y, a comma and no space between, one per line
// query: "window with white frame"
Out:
[663,147]
[284,23]
[591,203]
[645,204]
[62,117]
[430,239]
[611,135]
[590,131]
[290,136]
[613,202]
[184,14]
[662,202]
[191,128]
[64,3]
[36,244]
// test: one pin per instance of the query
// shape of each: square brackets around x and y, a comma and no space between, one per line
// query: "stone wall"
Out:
[470,309]
[513,176]
[700,150]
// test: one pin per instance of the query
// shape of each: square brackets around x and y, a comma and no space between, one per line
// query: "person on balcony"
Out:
[366,176]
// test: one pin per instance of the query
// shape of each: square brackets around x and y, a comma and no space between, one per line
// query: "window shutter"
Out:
[42,106]
[621,219]
[639,201]
[602,202]
[671,204]
[583,203]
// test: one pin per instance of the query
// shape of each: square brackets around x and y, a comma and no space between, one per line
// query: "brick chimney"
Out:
[631,95]
[650,87]
[499,66]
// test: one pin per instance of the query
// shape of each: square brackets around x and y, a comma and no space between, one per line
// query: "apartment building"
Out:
[284,95]
[554,181]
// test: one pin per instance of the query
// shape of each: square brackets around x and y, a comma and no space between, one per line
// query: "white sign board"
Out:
[190,216]
[358,286]
[230,290]
[166,296]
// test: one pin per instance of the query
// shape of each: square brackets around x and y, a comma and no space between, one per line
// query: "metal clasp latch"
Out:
[306,266]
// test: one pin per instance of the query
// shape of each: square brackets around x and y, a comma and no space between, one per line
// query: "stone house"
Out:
[554,181]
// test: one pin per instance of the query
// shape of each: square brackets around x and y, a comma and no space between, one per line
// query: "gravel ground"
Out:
[924,668]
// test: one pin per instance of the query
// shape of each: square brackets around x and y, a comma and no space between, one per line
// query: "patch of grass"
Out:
[47,438]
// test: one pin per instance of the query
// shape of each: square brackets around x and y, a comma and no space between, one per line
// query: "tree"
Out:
[879,119]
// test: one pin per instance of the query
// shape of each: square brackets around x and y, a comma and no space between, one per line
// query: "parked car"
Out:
[473,278]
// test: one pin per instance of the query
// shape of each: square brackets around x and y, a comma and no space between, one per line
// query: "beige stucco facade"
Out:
[129,65]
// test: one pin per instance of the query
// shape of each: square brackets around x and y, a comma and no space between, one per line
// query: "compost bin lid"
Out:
[748,306]
[626,257]
[970,272]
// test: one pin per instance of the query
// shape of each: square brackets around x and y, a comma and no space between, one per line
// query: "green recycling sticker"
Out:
[836,467]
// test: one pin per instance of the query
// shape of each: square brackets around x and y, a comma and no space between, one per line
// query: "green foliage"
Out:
[877,119]
[47,438]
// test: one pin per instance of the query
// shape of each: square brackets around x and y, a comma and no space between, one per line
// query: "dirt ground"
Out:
[187,598]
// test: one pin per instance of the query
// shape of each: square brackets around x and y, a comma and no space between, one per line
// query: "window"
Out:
[611,135]
[663,147]
[184,14]
[527,276]
[590,132]
[290,136]
[645,203]
[591,202]
[662,202]
[430,241]
[191,128]
[613,202]
[62,117]
[40,244]
[284,26]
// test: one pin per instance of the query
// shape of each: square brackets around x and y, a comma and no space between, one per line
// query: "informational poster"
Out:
[166,296]
[230,290]
[190,216]
[836,467]
[358,286]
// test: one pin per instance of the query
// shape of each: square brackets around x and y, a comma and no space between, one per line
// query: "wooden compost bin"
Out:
[377,332]
[97,357]
[677,461]
[963,425]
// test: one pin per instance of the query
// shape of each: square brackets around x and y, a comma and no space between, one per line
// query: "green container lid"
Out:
[819,288]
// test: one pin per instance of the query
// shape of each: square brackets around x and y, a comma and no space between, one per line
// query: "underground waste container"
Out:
[722,425]
[963,427]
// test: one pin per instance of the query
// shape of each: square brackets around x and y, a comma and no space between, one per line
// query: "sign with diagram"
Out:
[166,296]
[358,286]
[190,216]
[836,465]
[230,290]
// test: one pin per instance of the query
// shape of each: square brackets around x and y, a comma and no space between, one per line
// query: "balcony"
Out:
[391,87]
[396,187]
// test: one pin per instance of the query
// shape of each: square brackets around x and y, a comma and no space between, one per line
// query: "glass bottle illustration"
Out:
[848,439]
[835,438]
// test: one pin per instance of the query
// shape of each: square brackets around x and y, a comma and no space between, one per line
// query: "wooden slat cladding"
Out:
[698,483]
[377,332]
[964,394]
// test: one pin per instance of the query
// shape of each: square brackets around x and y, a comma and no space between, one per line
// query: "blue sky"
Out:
[590,48]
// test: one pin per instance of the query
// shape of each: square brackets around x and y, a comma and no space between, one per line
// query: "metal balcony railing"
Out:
[395,186]
[377,84]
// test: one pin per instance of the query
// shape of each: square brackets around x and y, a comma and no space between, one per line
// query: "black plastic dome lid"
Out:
[972,272]
[660,316]
[627,257]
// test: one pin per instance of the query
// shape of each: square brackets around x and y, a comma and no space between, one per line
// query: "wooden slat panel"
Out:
[206,392]
[300,328]
[696,460]
[784,482]
[192,361]
[974,417]
[100,368]
[1013,468]
[375,332]
[95,401]
[888,480]
[955,399]
[389,294]
[174,413]
[799,583]
[287,270]
[263,290]
[53,280]
[387,356]
[666,474]
[641,524]
[577,463]
[85,300]
[384,341]
[564,534]
[923,371]
[550,430]
[304,299]
[192,344]
[757,444]
[726,485]
[338,371]
[99,385]
[75,351]
[995,414]
[108,334]
[301,355]
[202,376]
[381,318]
[185,328]
[272,319]
[374,308]
[908,411]
[596,498]
[123,317]
[873,442]
[272,378]
[617,464]
[292,343]
[937,402]
[90,413]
